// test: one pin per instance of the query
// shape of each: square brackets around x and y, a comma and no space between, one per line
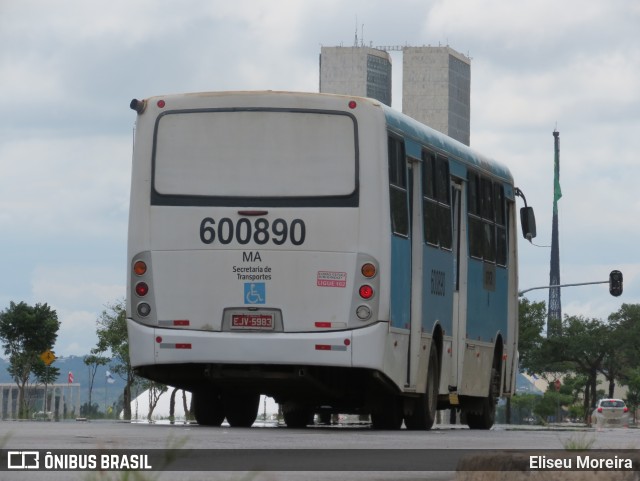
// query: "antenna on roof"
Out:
[355,43]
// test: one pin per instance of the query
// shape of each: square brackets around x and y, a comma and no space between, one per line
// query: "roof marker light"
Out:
[161,103]
[352,104]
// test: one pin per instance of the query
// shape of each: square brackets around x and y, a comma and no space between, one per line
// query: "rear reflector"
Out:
[330,347]
[177,345]
[329,325]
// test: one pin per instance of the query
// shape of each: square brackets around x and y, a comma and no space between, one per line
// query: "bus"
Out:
[323,250]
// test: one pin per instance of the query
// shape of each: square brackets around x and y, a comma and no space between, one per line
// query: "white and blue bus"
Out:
[323,250]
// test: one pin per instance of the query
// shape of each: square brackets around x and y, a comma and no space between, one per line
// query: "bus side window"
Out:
[436,201]
[487,220]
[474,201]
[488,217]
[501,228]
[398,187]
[443,194]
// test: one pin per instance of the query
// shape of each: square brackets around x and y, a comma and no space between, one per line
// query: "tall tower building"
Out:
[554,318]
[436,83]
[436,89]
[361,71]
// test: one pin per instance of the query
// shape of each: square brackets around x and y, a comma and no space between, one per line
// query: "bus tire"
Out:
[297,417]
[324,418]
[241,409]
[487,416]
[208,408]
[423,416]
[389,416]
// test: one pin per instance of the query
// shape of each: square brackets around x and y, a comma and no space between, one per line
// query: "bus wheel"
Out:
[241,409]
[486,418]
[388,416]
[297,417]
[324,418]
[207,408]
[424,407]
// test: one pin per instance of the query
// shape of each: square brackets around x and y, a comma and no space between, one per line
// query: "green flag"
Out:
[557,192]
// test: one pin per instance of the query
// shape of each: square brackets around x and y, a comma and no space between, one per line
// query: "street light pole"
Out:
[521,293]
[615,285]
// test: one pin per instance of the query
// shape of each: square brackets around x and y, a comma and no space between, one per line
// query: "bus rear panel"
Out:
[323,250]
[247,267]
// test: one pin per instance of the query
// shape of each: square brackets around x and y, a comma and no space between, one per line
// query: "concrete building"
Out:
[62,400]
[359,71]
[436,89]
[436,82]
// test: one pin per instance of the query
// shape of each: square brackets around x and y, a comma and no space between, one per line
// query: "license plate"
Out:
[252,321]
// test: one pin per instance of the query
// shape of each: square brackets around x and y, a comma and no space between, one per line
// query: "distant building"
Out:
[436,83]
[436,89]
[359,71]
[62,400]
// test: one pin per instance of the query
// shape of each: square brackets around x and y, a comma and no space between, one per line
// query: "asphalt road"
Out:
[112,436]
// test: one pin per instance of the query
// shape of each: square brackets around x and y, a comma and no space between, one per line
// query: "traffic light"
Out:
[615,283]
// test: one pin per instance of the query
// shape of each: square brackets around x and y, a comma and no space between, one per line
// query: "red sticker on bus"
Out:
[331,279]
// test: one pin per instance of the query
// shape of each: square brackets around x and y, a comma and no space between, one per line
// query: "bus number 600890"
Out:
[260,231]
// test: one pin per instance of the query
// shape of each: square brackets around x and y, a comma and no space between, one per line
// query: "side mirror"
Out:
[528,222]
[615,283]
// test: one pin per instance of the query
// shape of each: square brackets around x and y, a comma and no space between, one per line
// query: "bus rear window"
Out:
[255,153]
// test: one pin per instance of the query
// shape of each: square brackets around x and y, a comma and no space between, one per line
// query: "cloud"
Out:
[55,187]
[73,66]
[78,292]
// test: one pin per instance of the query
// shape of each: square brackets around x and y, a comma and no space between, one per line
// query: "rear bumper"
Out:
[362,348]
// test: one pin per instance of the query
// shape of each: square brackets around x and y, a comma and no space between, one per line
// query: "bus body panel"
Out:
[437,290]
[400,282]
[221,264]
[209,278]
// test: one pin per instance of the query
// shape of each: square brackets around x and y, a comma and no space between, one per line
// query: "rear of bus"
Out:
[252,265]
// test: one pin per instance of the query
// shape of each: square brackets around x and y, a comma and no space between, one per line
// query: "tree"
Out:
[155,390]
[584,343]
[26,332]
[523,406]
[627,325]
[92,362]
[550,404]
[532,317]
[112,337]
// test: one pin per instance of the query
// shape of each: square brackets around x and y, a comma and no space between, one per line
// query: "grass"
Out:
[579,443]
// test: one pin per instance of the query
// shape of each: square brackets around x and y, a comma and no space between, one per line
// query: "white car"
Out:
[611,412]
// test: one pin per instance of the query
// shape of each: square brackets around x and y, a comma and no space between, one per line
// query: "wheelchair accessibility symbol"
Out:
[255,293]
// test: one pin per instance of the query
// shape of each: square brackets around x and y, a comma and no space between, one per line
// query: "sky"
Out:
[68,70]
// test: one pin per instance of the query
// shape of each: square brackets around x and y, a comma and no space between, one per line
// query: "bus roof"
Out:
[410,127]
[425,135]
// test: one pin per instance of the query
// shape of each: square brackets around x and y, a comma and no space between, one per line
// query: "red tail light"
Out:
[599,410]
[626,409]
[366,291]
[142,289]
